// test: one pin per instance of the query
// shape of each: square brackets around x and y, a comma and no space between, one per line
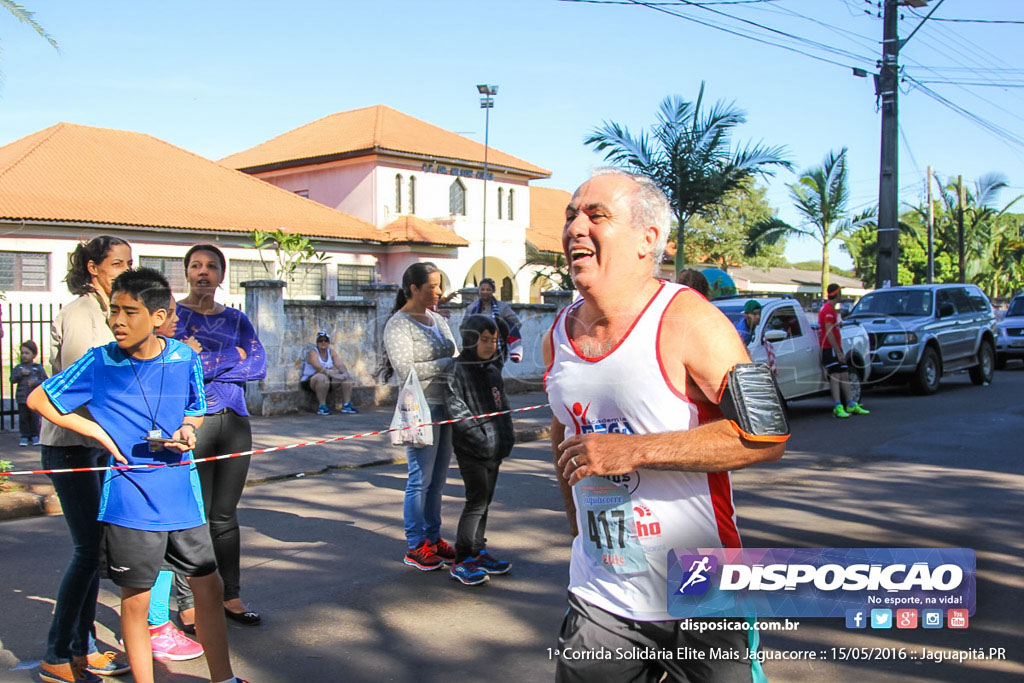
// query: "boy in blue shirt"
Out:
[145,386]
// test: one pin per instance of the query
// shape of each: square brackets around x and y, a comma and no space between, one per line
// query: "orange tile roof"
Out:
[547,218]
[418,231]
[78,173]
[376,129]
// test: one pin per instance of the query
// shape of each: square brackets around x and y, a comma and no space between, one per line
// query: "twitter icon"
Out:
[881,618]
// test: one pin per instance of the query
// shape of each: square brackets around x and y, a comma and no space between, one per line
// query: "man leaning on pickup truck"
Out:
[833,359]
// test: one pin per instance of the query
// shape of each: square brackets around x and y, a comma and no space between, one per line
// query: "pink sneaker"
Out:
[170,643]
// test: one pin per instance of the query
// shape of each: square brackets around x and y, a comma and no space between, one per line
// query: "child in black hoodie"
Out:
[480,444]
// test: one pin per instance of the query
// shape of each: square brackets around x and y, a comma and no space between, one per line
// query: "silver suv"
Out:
[921,332]
[1010,342]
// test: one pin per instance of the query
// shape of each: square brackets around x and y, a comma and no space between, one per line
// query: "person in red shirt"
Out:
[833,359]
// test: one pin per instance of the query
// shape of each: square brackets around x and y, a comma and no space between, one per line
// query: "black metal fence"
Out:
[21,322]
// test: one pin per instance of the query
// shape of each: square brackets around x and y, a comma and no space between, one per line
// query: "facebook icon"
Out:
[856,618]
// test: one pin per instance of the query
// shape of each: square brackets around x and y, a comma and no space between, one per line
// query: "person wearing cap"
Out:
[320,369]
[750,320]
[833,359]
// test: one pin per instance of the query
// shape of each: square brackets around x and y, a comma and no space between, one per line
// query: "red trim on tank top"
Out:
[551,340]
[721,501]
[572,342]
[657,352]
[719,485]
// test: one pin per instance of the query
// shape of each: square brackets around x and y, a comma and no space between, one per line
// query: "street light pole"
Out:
[487,93]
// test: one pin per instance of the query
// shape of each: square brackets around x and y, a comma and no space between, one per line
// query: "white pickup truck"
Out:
[787,340]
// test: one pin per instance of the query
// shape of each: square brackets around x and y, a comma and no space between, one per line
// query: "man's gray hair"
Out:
[648,206]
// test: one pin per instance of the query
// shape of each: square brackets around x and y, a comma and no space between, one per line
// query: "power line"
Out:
[741,33]
[997,130]
[984,84]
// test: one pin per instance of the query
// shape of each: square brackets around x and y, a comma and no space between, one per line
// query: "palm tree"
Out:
[688,154]
[27,17]
[821,195]
[547,267]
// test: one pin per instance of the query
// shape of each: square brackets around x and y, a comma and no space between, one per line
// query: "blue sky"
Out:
[219,77]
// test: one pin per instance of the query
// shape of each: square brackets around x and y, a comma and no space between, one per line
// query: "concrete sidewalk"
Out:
[279,430]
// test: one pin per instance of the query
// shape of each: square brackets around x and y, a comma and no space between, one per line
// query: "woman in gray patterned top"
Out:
[417,337]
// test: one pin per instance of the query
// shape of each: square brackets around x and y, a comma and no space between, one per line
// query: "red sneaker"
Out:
[444,551]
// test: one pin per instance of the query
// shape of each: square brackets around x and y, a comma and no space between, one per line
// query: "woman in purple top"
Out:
[231,354]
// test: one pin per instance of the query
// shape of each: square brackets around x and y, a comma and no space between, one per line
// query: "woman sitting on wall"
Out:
[321,369]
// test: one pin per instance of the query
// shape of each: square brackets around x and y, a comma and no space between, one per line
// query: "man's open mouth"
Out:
[577,254]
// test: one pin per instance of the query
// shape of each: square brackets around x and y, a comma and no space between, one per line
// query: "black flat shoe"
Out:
[188,628]
[244,618]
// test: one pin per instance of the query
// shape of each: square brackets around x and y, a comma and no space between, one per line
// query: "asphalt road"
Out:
[322,554]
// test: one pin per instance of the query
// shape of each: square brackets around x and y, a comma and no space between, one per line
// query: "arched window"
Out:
[398,194]
[412,194]
[501,198]
[511,204]
[457,198]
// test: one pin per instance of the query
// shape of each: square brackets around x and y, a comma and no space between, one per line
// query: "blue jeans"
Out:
[428,469]
[71,631]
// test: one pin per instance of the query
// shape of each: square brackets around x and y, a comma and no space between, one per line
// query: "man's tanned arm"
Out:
[699,348]
[557,436]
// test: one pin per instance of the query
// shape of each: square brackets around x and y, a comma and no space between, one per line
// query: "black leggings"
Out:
[222,482]
[480,477]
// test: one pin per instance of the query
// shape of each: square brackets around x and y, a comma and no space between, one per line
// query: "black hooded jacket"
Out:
[477,389]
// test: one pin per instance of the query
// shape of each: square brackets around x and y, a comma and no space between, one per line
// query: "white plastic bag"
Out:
[412,415]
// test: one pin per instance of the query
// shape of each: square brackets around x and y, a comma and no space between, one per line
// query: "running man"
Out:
[636,369]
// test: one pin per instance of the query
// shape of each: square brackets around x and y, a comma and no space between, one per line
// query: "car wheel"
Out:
[983,372]
[856,375]
[1000,362]
[928,373]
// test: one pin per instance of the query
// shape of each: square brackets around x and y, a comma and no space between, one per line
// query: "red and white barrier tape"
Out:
[260,451]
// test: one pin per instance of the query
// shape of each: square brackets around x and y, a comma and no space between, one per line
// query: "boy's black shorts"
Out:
[132,558]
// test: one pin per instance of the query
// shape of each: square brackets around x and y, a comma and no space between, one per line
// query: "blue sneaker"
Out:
[469,573]
[323,410]
[491,564]
[349,409]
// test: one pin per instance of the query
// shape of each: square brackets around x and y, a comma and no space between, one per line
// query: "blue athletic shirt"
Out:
[158,499]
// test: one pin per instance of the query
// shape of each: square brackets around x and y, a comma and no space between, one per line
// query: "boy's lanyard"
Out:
[152,415]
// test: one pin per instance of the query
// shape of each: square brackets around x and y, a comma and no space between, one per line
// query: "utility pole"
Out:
[961,200]
[887,91]
[931,231]
[888,190]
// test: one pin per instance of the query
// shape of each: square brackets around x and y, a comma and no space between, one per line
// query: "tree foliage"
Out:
[290,250]
[821,196]
[689,154]
[26,17]
[548,269]
[993,240]
[720,234]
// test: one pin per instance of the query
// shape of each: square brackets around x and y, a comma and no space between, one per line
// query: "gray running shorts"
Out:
[595,646]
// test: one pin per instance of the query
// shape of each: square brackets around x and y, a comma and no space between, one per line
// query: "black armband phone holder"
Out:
[752,403]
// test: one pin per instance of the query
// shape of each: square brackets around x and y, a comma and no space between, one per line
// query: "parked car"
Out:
[1010,340]
[787,339]
[922,332]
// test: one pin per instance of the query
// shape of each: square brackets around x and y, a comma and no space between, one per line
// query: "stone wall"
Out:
[288,330]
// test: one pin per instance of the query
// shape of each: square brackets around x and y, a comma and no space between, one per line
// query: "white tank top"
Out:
[308,370]
[622,569]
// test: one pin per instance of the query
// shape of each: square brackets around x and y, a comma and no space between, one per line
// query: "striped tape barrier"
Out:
[260,451]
